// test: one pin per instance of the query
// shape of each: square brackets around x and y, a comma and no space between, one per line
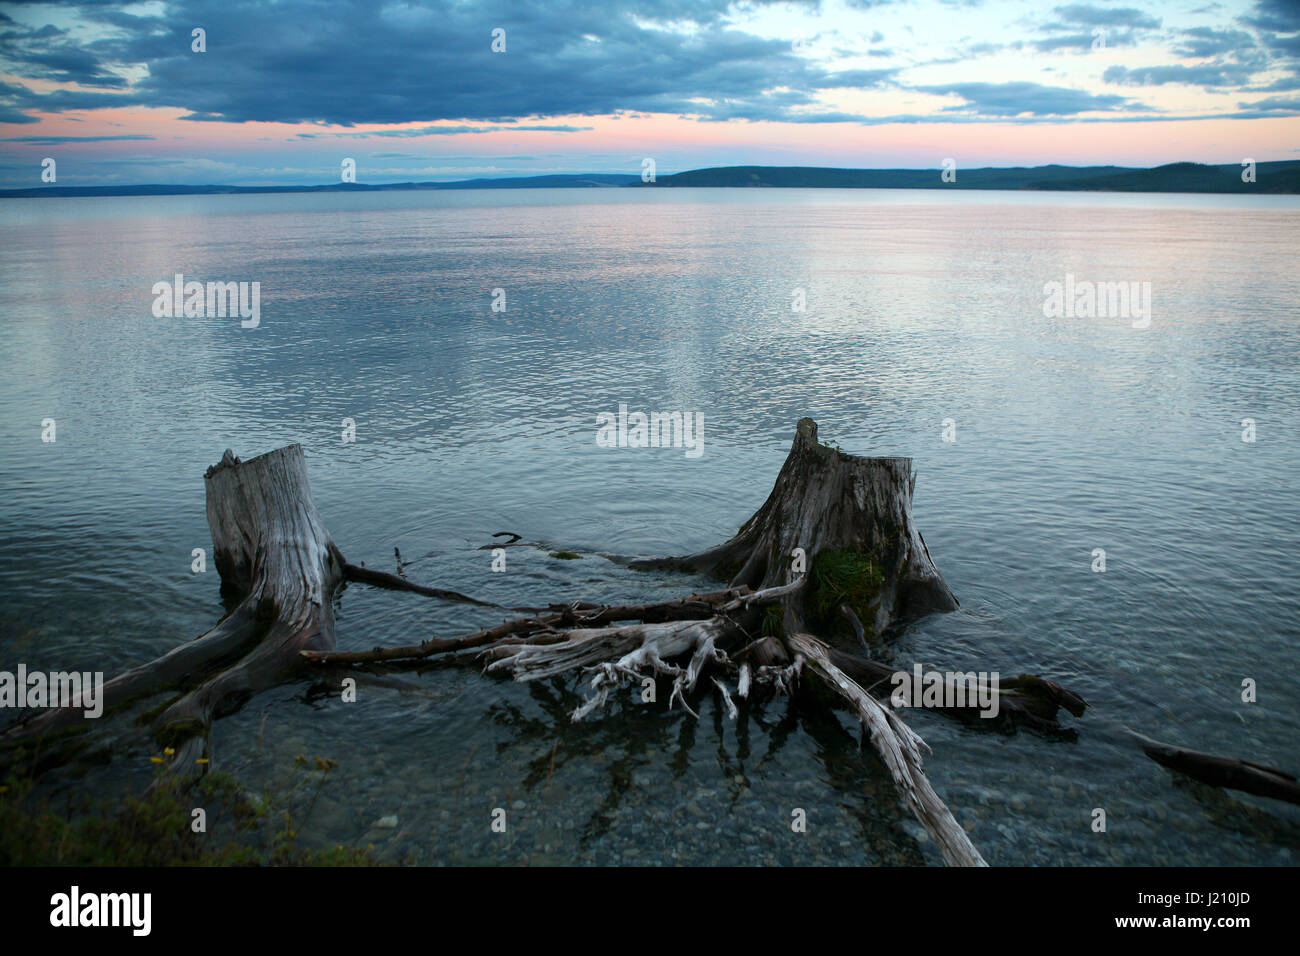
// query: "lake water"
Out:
[1071,434]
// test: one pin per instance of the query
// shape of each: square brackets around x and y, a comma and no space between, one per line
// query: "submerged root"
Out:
[900,749]
[639,652]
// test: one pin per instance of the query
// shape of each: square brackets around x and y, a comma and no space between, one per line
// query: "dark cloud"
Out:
[1285,85]
[1208,75]
[357,63]
[1235,55]
[1277,23]
[1081,26]
[58,140]
[857,78]
[379,64]
[1275,104]
[1033,99]
[448,131]
[1275,16]
[1205,42]
[1083,14]
[443,158]
[10,115]
[48,53]
[1085,41]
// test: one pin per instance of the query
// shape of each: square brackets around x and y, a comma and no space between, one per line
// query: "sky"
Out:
[283,91]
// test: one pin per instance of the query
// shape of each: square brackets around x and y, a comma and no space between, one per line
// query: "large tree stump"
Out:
[852,519]
[276,560]
[273,553]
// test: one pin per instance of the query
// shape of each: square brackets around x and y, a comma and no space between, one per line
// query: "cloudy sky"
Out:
[415,91]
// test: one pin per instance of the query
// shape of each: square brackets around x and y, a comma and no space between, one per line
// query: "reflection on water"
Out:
[1072,434]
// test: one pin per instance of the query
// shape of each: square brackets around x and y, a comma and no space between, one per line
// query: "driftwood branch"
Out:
[900,751]
[1219,771]
[394,582]
[574,615]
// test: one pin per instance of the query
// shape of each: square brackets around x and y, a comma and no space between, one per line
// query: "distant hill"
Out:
[568,181]
[1274,177]
[1283,177]
[829,178]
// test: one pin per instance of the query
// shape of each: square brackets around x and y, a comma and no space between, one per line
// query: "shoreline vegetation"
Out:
[1282,177]
[241,825]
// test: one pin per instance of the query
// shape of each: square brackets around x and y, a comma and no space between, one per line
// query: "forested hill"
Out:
[1274,177]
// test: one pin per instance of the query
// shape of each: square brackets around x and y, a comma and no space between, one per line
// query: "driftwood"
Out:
[1218,771]
[900,749]
[1024,700]
[821,572]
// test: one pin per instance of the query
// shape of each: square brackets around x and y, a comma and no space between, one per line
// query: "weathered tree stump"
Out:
[851,517]
[276,560]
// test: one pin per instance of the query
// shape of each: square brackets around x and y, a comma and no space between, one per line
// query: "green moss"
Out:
[176,732]
[844,577]
[566,555]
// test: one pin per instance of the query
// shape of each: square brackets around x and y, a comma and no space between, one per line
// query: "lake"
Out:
[924,320]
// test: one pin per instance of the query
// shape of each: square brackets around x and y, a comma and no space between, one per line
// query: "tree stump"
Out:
[277,562]
[851,517]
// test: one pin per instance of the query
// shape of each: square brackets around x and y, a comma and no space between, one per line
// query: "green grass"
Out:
[843,577]
[156,829]
[772,625]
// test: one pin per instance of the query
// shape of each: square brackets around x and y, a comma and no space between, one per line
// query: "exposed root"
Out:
[742,684]
[732,711]
[398,582]
[639,651]
[577,614]
[781,678]
[279,565]
[900,749]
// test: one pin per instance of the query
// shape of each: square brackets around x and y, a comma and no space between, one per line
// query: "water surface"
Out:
[1072,434]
